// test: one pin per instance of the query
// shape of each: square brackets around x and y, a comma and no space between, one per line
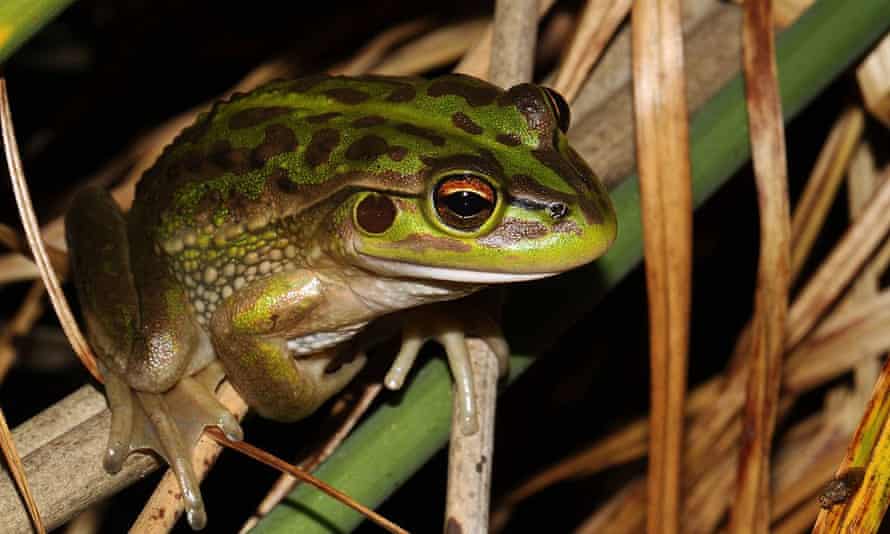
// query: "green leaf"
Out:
[20,19]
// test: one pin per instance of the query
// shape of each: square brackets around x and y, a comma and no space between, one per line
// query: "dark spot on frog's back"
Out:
[282,181]
[576,175]
[321,146]
[475,92]
[301,85]
[368,121]
[367,147]
[398,153]
[423,133]
[248,118]
[279,140]
[371,147]
[323,118]
[508,139]
[529,101]
[465,123]
[347,95]
[235,160]
[402,93]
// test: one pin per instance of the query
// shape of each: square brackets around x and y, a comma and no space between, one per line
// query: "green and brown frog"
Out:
[279,230]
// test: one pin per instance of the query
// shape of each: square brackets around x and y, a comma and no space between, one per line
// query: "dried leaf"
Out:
[874,81]
[666,206]
[599,22]
[750,511]
[17,470]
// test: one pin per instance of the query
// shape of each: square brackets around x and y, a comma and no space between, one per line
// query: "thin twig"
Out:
[286,483]
[838,270]
[476,62]
[817,197]
[28,313]
[513,42]
[862,184]
[435,49]
[599,21]
[277,463]
[373,52]
[469,458]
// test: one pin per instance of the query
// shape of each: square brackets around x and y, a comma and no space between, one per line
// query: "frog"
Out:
[291,228]
[841,488]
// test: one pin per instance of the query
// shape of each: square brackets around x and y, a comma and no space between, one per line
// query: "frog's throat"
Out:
[446,274]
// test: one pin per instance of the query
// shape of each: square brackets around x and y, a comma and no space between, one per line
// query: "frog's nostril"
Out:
[558,210]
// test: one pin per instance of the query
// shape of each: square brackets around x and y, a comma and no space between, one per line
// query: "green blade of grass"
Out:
[20,19]
[402,435]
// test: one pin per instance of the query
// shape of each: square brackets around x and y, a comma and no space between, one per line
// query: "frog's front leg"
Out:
[250,331]
[450,324]
[148,346]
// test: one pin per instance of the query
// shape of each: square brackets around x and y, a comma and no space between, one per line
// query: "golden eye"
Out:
[560,108]
[464,201]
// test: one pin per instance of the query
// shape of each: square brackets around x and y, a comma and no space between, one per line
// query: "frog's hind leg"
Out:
[164,409]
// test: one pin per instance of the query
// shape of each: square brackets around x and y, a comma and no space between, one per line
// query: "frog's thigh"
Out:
[100,258]
[249,333]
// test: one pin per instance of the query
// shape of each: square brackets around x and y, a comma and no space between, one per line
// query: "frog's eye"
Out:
[464,201]
[560,108]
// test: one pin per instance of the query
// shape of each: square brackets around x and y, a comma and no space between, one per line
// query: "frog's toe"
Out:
[167,437]
[120,399]
[412,341]
[168,423]
[450,327]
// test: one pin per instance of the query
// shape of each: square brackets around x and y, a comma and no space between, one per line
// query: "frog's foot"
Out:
[170,424]
[450,325]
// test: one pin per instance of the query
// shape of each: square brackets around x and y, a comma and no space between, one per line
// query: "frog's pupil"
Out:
[466,203]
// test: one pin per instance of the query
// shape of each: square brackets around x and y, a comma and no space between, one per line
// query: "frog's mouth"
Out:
[401,269]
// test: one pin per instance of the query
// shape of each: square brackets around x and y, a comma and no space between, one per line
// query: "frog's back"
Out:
[273,152]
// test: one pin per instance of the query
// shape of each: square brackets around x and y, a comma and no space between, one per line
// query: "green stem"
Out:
[402,435]
[20,19]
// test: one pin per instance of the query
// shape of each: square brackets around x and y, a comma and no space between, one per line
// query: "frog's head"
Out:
[504,199]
